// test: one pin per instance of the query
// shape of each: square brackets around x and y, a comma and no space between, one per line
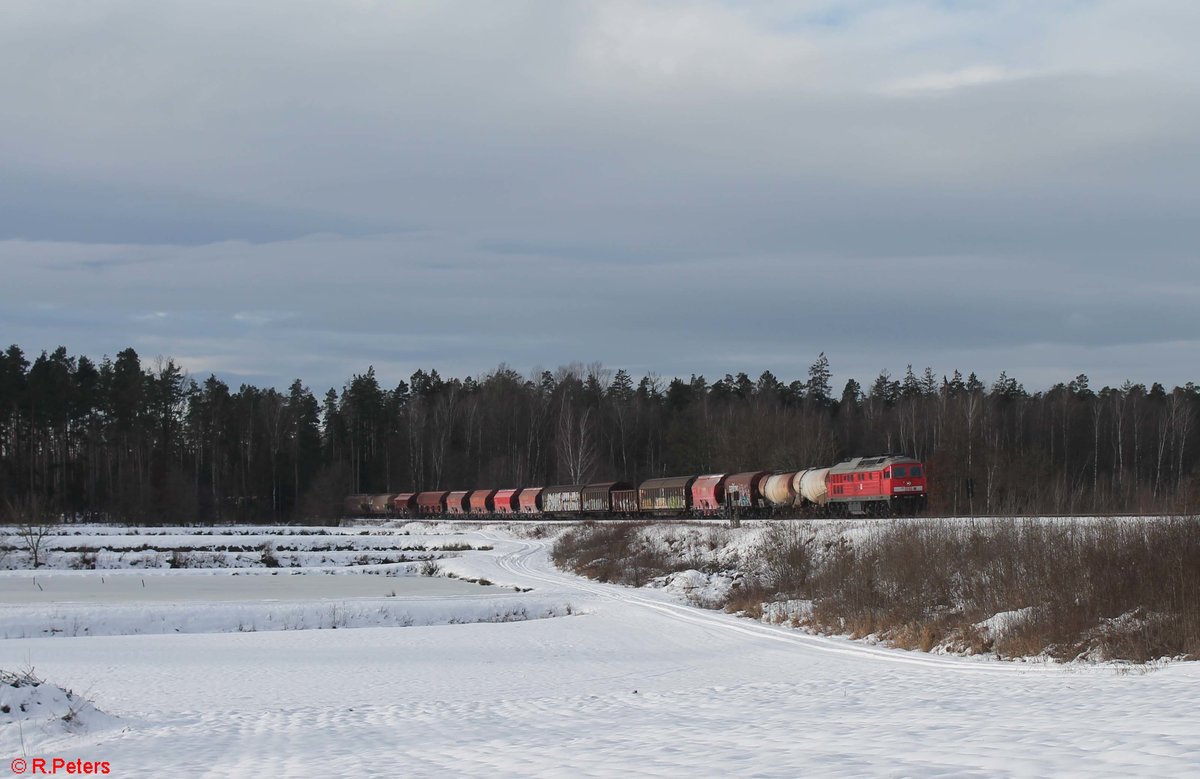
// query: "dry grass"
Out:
[612,552]
[1122,589]
[1113,589]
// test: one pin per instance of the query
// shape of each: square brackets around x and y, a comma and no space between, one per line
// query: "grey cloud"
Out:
[305,190]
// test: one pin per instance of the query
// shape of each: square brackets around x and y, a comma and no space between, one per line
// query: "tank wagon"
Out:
[860,486]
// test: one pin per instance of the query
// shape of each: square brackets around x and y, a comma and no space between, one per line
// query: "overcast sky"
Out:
[281,188]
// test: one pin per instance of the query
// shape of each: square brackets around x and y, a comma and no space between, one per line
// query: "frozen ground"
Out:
[631,682]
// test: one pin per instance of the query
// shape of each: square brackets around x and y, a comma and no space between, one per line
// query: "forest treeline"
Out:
[116,440]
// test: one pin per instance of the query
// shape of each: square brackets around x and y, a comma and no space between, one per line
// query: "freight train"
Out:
[883,485]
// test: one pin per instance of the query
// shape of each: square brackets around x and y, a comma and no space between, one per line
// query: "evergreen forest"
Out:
[115,440]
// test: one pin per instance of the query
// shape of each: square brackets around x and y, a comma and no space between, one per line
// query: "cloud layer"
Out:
[303,189]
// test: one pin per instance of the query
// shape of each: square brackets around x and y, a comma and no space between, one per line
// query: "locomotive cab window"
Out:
[898,472]
[916,471]
[887,474]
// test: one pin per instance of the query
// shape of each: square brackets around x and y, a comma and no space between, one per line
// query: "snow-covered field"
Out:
[614,682]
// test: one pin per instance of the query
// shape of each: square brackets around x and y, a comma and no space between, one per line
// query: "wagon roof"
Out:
[608,486]
[745,477]
[668,482]
[565,488]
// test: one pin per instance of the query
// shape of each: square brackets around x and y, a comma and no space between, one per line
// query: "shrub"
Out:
[611,552]
[269,560]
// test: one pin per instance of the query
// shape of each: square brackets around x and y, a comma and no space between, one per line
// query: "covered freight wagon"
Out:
[672,495]
[625,502]
[356,505]
[456,502]
[708,494]
[405,504]
[598,498]
[563,499]
[743,490]
[505,501]
[482,502]
[530,500]
[381,505]
[432,502]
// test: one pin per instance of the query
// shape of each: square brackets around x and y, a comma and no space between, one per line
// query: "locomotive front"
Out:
[877,486]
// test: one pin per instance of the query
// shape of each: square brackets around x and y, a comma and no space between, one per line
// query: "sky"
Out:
[295,189]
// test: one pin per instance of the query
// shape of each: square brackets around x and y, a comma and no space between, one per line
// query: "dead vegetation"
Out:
[612,552]
[1119,589]
[1108,589]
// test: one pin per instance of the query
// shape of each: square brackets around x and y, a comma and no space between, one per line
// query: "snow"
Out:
[696,587]
[31,708]
[626,681]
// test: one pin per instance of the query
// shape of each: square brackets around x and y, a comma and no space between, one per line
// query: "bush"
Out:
[786,555]
[611,552]
[269,560]
[1112,589]
[1122,589]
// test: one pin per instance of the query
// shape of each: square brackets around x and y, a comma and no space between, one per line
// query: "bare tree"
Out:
[576,444]
[33,525]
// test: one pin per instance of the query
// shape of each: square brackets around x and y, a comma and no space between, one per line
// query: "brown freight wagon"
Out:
[563,499]
[356,505]
[506,501]
[456,502]
[405,504]
[482,502]
[625,502]
[743,490]
[431,502]
[598,498]
[381,505]
[672,495]
[530,500]
[708,494]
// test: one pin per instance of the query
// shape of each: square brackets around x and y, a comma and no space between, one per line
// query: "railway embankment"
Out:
[1065,589]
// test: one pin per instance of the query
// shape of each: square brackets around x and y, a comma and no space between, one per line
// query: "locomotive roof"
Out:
[871,463]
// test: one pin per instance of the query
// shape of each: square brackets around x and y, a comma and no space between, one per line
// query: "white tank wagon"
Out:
[810,486]
[779,489]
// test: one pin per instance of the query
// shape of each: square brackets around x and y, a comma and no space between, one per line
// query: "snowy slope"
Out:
[633,683]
